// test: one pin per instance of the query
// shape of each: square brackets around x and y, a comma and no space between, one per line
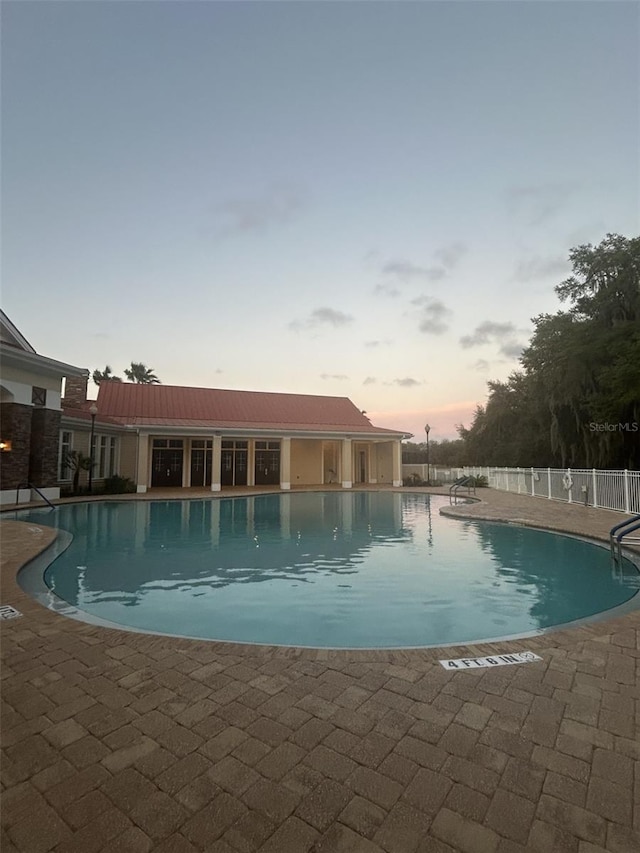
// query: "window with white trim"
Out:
[66,446]
[105,456]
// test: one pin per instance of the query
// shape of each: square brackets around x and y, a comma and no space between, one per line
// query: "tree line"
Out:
[575,401]
[445,453]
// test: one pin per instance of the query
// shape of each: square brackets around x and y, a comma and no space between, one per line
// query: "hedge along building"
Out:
[30,416]
[173,436]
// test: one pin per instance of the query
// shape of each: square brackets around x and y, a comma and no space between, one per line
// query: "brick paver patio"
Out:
[115,741]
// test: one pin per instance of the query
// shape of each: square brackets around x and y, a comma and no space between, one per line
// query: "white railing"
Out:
[617,490]
[435,472]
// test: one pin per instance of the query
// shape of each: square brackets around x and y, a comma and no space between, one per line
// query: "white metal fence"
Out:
[617,490]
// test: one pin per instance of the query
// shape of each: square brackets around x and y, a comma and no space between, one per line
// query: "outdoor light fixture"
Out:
[427,429]
[5,446]
[93,411]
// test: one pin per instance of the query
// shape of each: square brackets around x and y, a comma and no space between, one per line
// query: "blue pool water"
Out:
[336,569]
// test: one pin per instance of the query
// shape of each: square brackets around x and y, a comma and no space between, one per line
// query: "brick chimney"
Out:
[75,392]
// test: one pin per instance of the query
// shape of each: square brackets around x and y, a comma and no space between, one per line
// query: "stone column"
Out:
[15,422]
[45,447]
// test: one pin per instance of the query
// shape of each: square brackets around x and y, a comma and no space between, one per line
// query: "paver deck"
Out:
[116,741]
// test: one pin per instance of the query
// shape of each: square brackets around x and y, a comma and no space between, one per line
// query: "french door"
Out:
[166,462]
[267,470]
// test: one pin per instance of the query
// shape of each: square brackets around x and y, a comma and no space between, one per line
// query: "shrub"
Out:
[413,480]
[480,482]
[117,485]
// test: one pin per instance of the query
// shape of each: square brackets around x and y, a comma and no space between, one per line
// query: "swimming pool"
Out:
[322,569]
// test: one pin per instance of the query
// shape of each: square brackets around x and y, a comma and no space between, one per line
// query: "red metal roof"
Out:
[84,414]
[174,405]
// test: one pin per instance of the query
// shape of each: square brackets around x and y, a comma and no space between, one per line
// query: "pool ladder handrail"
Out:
[467,481]
[33,489]
[617,534]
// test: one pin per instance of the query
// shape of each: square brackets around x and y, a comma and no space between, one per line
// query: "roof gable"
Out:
[10,334]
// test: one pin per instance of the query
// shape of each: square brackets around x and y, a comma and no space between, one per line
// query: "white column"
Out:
[347,463]
[373,463]
[186,462]
[285,463]
[216,463]
[397,463]
[142,465]
[251,462]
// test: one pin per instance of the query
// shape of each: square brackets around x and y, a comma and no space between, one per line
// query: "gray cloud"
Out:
[535,267]
[370,380]
[373,344]
[481,364]
[322,317]
[386,290]
[535,205]
[449,256]
[503,334]
[406,271]
[433,315]
[487,332]
[339,376]
[402,271]
[277,205]
[407,382]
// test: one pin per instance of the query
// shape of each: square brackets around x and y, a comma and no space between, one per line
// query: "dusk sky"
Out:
[360,199]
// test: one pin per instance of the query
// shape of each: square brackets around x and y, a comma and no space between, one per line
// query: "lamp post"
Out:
[427,429]
[93,411]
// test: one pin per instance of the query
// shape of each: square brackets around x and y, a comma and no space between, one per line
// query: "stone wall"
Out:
[75,392]
[45,443]
[15,426]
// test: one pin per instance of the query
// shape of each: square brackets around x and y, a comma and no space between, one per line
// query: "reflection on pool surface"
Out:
[335,569]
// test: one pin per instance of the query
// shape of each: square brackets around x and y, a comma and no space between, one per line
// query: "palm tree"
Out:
[105,376]
[141,374]
[77,462]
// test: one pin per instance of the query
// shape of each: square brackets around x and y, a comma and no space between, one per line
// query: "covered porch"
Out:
[216,461]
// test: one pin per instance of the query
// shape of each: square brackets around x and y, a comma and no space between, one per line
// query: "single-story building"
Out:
[178,437]
[164,436]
